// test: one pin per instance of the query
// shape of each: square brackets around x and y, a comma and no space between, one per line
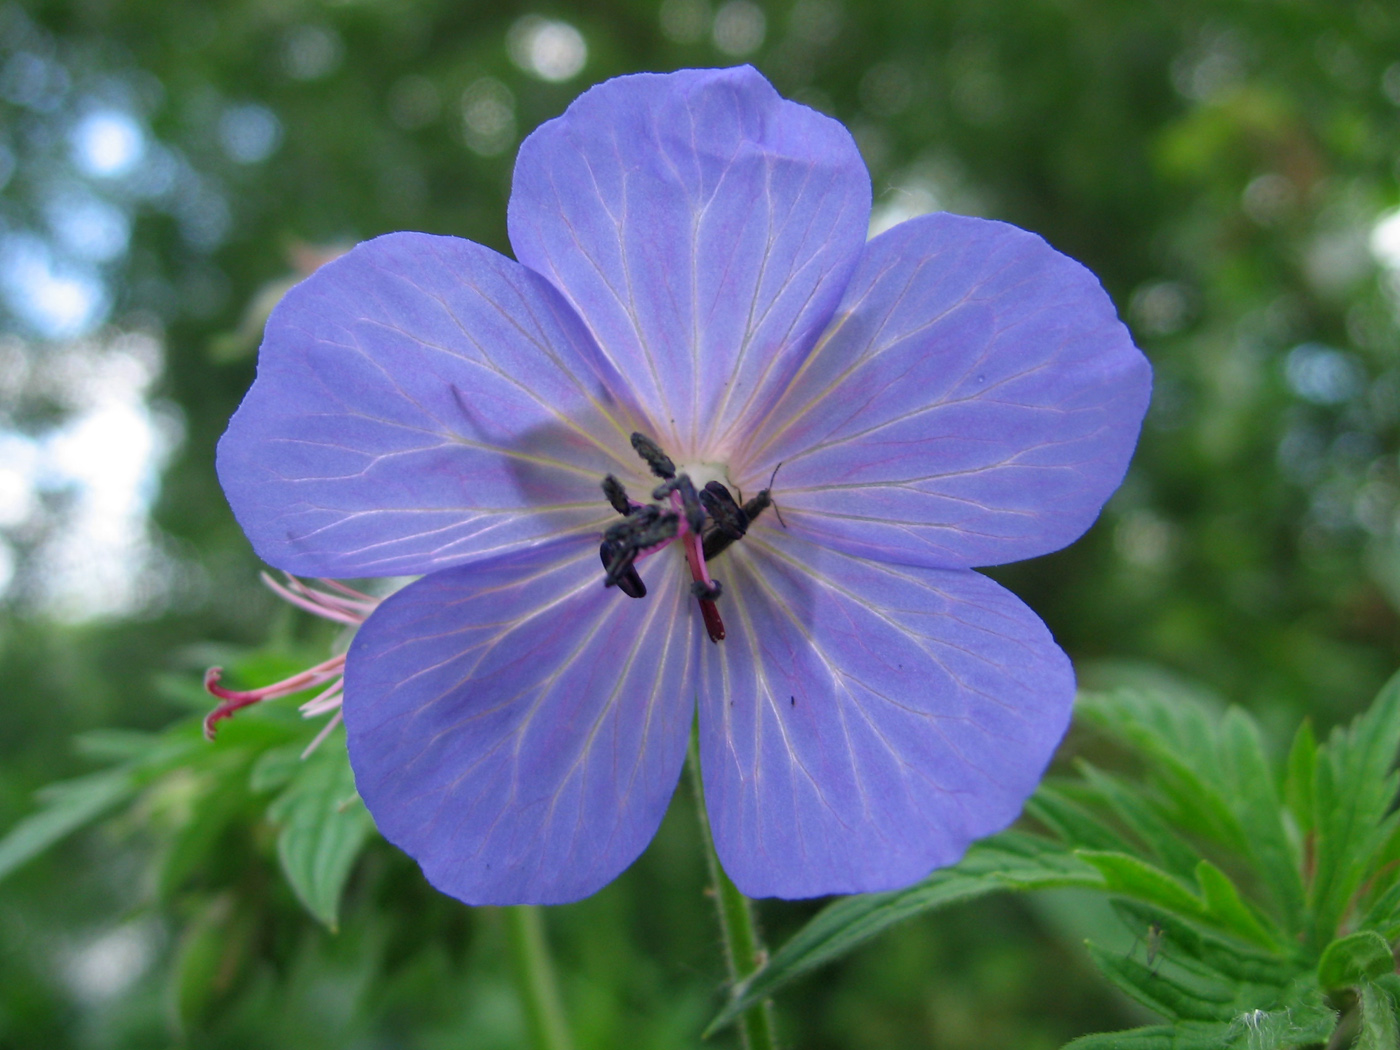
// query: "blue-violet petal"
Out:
[975,402]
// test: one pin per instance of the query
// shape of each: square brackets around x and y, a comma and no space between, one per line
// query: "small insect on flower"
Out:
[559,445]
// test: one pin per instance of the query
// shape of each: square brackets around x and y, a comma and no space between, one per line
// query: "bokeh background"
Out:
[1227,167]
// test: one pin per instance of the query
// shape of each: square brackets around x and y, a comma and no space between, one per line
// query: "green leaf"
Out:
[1175,854]
[1136,878]
[1175,998]
[117,745]
[275,768]
[1354,789]
[1009,861]
[1189,1035]
[1225,905]
[1384,914]
[1311,1019]
[211,956]
[1379,1027]
[1207,948]
[184,690]
[1385,865]
[324,825]
[1293,1023]
[1300,776]
[1256,802]
[208,800]
[1390,983]
[1355,960]
[1077,826]
[1177,736]
[64,808]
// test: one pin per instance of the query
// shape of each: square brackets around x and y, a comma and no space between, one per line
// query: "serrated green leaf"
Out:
[1354,789]
[1167,995]
[1380,1029]
[1207,948]
[324,826]
[1390,982]
[1188,1035]
[1385,865]
[1174,853]
[65,807]
[1079,828]
[1355,960]
[1312,1019]
[1256,802]
[1178,738]
[1299,777]
[1261,1029]
[1229,910]
[1009,861]
[1136,878]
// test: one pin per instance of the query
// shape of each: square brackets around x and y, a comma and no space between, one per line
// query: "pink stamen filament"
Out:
[325,701]
[327,606]
[699,571]
[339,603]
[325,732]
[235,700]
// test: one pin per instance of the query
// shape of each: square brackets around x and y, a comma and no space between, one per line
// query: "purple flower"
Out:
[693,269]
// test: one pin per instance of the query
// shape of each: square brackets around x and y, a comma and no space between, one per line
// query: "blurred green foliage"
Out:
[1219,164]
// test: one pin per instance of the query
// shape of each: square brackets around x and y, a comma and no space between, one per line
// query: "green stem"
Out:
[534,978]
[743,950]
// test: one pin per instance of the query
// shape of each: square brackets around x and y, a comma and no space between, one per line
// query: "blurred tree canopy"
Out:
[166,168]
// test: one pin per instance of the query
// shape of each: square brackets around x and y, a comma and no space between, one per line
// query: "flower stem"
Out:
[534,978]
[743,950]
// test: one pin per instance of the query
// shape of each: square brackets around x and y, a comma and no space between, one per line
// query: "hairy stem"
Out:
[534,978]
[743,950]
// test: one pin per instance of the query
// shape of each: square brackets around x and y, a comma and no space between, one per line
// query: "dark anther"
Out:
[658,461]
[643,528]
[617,560]
[617,495]
[690,503]
[690,500]
[706,594]
[641,518]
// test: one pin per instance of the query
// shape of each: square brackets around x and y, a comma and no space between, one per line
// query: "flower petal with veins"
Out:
[865,722]
[703,227]
[420,402]
[974,402]
[520,729]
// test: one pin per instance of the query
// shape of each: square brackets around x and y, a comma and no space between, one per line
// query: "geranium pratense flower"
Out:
[694,284]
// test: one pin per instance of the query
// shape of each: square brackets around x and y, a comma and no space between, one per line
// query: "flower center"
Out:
[705,520]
